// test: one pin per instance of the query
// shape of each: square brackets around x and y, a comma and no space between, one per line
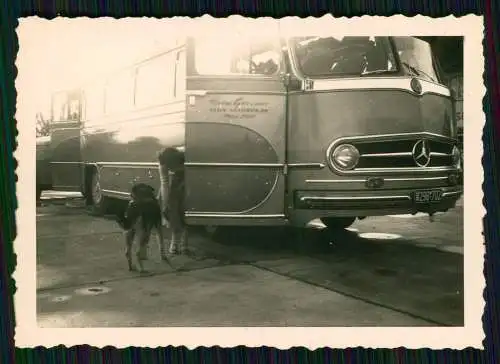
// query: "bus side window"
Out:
[265,63]
[155,81]
[180,75]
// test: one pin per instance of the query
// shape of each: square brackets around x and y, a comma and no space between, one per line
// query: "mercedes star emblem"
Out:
[421,153]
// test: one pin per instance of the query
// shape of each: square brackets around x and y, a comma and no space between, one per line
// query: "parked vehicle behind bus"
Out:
[275,130]
[43,165]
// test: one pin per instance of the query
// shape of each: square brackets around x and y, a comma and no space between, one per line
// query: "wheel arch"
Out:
[88,171]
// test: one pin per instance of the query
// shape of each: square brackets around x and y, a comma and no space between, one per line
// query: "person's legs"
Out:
[183,243]
[178,242]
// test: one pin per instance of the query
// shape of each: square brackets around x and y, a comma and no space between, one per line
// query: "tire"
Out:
[100,204]
[338,223]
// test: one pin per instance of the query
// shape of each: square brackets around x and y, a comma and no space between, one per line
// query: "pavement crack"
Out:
[346,294]
[125,278]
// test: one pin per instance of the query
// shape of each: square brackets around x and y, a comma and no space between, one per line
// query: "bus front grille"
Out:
[375,154]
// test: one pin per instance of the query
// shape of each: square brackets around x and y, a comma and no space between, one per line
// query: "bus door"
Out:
[235,131]
[65,129]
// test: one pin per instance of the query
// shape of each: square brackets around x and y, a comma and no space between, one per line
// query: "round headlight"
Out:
[345,156]
[456,157]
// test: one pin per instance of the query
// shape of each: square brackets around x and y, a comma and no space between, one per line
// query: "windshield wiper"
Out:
[375,72]
[413,70]
[417,72]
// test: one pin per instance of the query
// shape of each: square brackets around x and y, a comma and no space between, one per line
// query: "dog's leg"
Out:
[161,243]
[129,240]
[142,251]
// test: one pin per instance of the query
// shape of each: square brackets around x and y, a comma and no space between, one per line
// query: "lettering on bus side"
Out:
[238,108]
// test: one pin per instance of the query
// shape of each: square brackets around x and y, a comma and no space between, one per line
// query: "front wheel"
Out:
[338,223]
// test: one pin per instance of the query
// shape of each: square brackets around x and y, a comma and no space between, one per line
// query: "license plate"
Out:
[428,196]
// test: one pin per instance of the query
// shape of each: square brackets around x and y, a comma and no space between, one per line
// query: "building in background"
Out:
[449,52]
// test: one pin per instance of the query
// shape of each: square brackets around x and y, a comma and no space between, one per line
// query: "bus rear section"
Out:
[371,131]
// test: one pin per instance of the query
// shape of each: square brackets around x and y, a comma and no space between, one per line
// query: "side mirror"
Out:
[285,78]
[290,82]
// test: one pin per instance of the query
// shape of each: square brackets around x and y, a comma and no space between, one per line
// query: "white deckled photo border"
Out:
[28,334]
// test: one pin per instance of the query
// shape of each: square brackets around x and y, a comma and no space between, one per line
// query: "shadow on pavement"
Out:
[73,249]
[393,273]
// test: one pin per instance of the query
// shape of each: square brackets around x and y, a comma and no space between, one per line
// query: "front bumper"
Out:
[372,203]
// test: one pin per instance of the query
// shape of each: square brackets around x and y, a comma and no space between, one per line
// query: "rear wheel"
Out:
[338,223]
[99,202]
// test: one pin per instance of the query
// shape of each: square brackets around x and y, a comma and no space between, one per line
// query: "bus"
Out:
[276,130]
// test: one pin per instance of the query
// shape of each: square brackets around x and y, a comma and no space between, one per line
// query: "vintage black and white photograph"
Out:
[239,173]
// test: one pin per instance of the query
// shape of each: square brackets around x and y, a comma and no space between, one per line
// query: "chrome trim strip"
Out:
[404,169]
[113,192]
[385,179]
[71,187]
[196,92]
[335,180]
[353,198]
[67,122]
[250,165]
[378,83]
[396,136]
[127,164]
[400,154]
[306,165]
[256,165]
[438,154]
[416,179]
[218,214]
[57,129]
[234,92]
[452,193]
[268,196]
[56,162]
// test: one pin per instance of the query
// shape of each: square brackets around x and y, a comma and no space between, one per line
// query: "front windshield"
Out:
[343,56]
[237,54]
[416,57]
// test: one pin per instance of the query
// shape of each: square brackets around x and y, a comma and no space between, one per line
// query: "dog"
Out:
[142,215]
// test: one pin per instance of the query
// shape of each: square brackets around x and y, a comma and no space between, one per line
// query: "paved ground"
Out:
[385,271]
